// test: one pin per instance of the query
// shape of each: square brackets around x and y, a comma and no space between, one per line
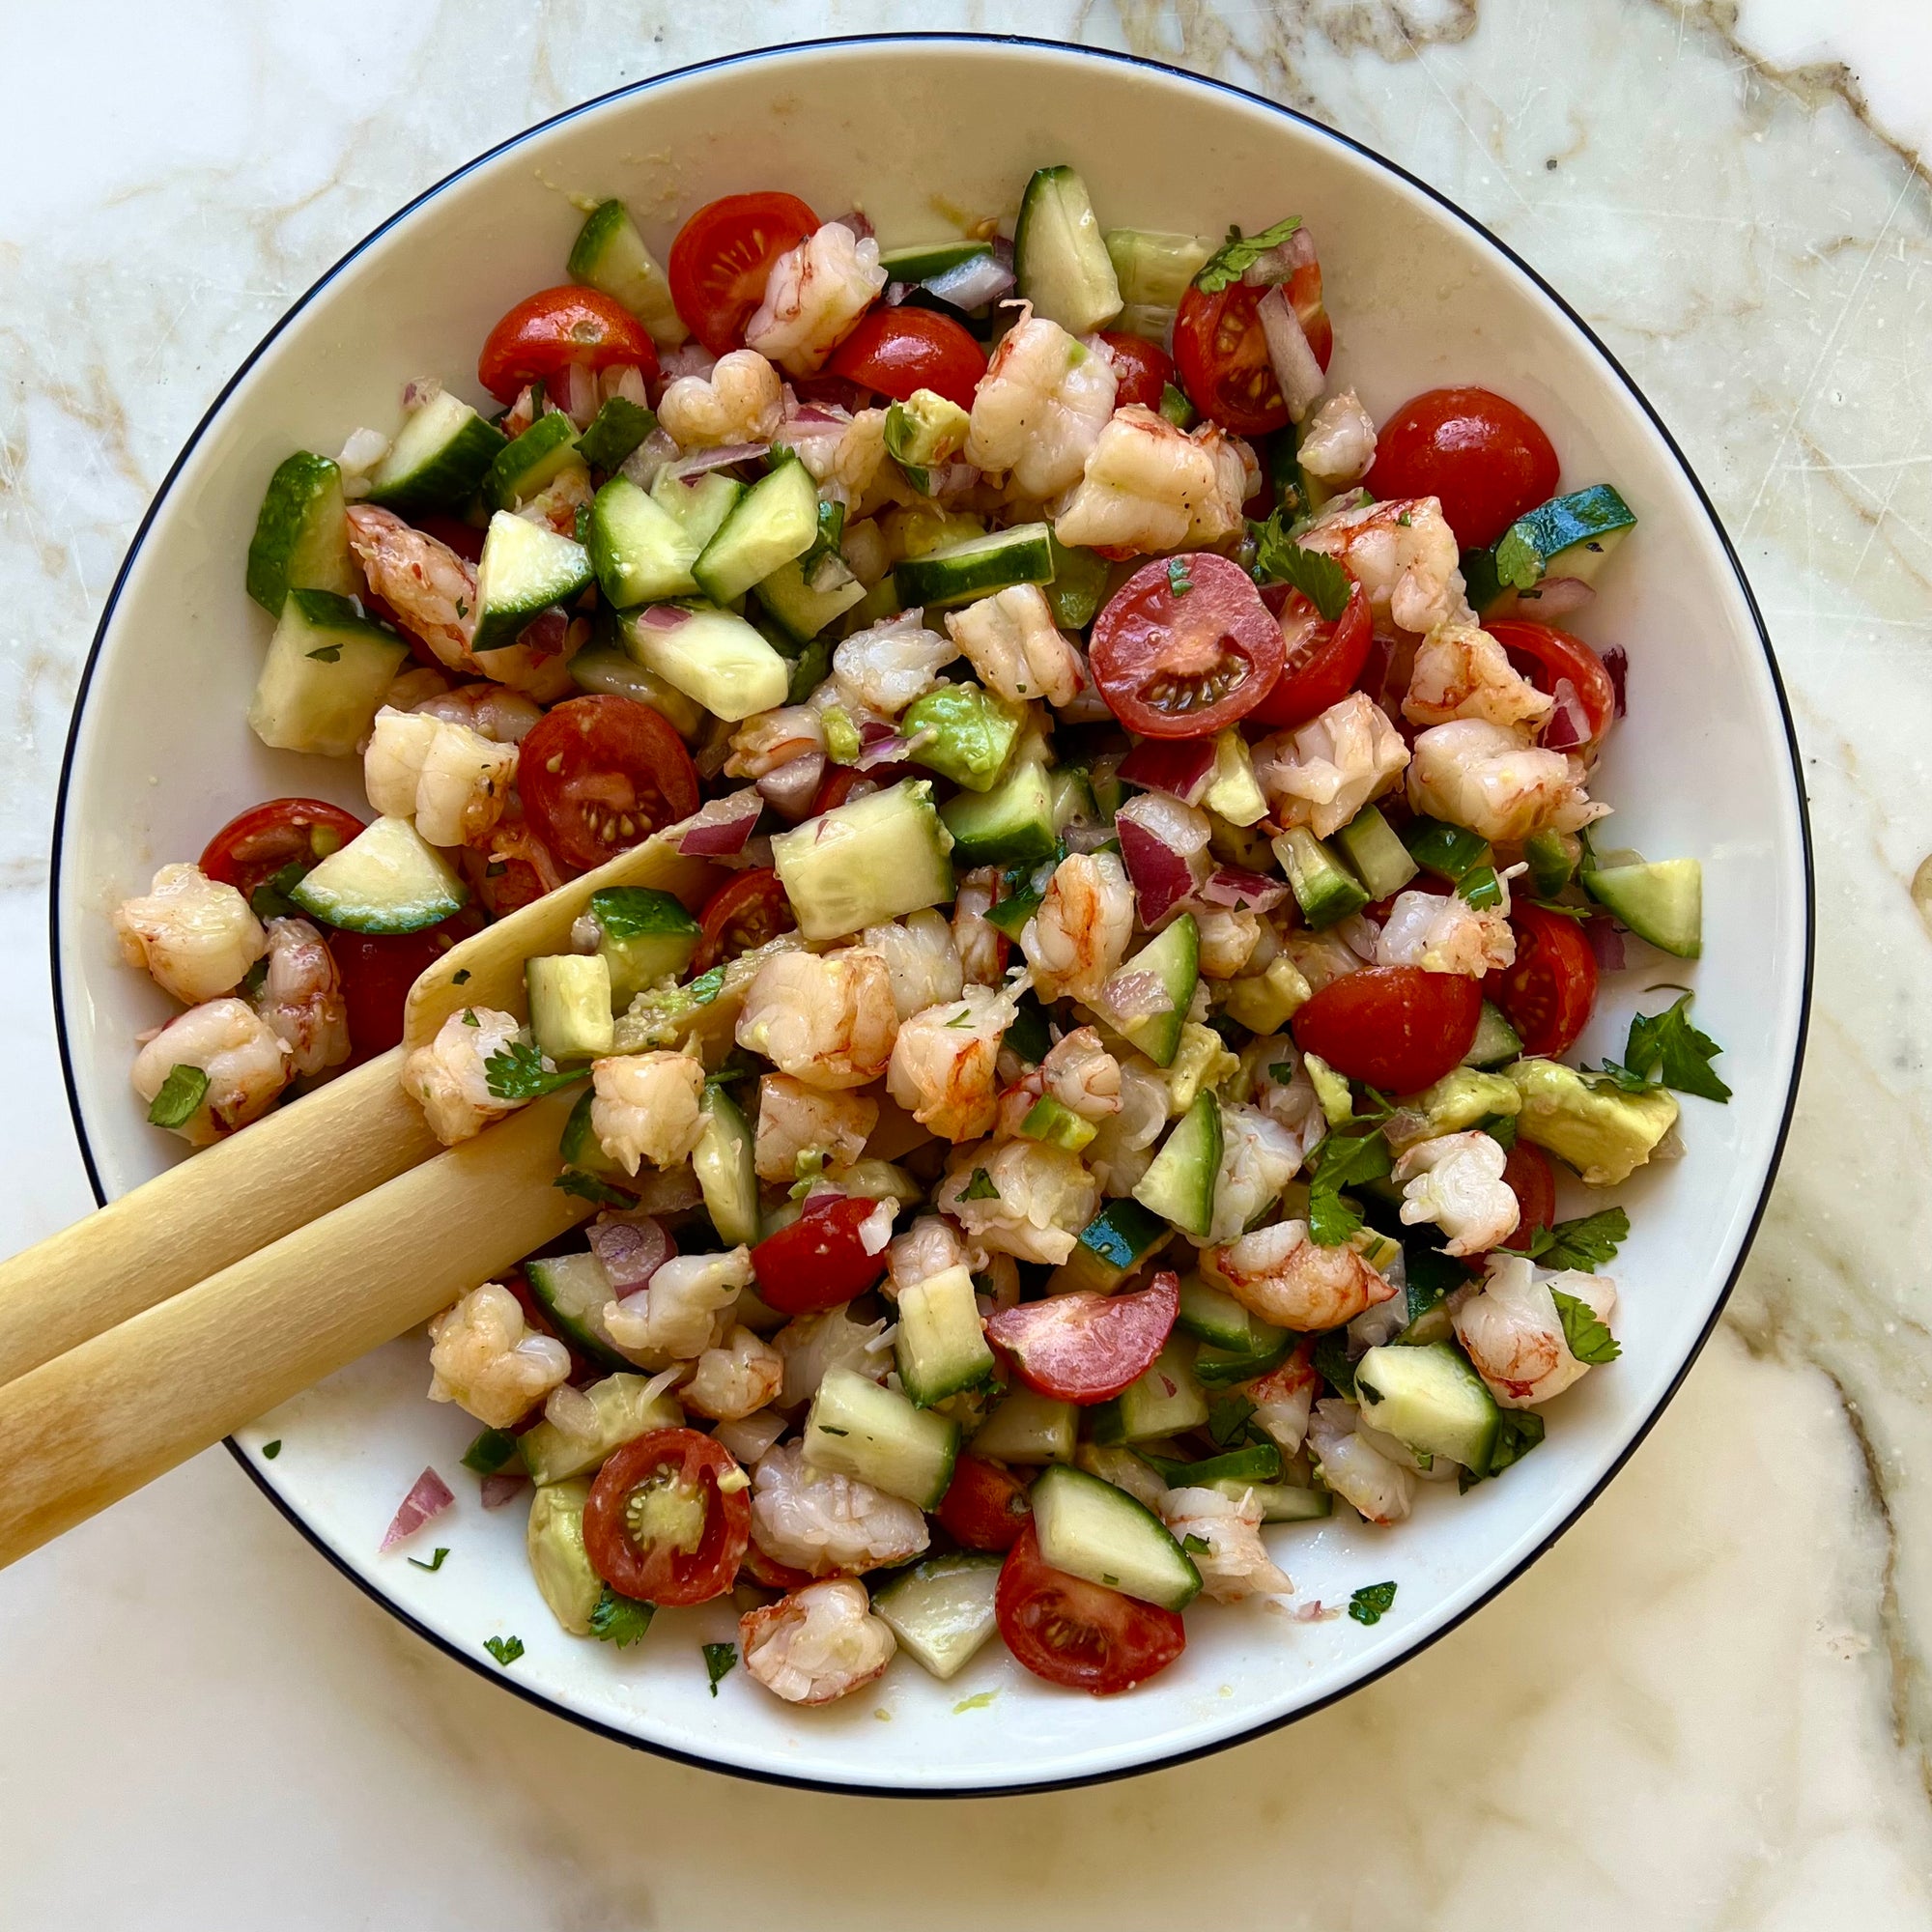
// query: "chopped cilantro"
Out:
[963,1018]
[1519,563]
[1341,1160]
[1177,579]
[720,1660]
[581,532]
[270,1450]
[1196,1546]
[1320,579]
[1238,253]
[1583,1244]
[980,1188]
[1480,887]
[826,1429]
[1430,1274]
[1332,1363]
[1372,1602]
[624,912]
[1501,1128]
[1520,1430]
[459,978]
[621,1620]
[469,1016]
[588,1187]
[1028,1035]
[270,898]
[1583,1334]
[504,1649]
[1668,1044]
[518,1073]
[1228,1419]
[434,1564]
[462,609]
[182,1092]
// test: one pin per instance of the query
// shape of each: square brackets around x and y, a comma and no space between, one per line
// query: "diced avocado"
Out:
[710,655]
[1166,1401]
[1057,1125]
[558,1561]
[1551,858]
[1122,1237]
[524,468]
[919,529]
[1011,825]
[1079,586]
[616,431]
[1331,1089]
[941,1344]
[328,670]
[1242,845]
[639,550]
[1028,1428]
[1201,1062]
[611,255]
[1604,1133]
[1381,861]
[1432,1401]
[1323,887]
[1569,536]
[1180,1182]
[1458,1100]
[1232,792]
[1662,903]
[1267,1003]
[525,568]
[570,1004]
[972,730]
[923,432]
[1496,1040]
[642,936]
[1449,851]
[624,1413]
[858,865]
[301,534]
[1174,956]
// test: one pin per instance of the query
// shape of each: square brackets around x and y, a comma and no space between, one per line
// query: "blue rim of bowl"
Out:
[1108,55]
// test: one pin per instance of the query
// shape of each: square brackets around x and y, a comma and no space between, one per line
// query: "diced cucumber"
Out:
[1450,851]
[701,503]
[1569,536]
[922,262]
[533,463]
[1551,858]
[1166,1401]
[941,1344]
[437,459]
[1218,1318]
[1279,1502]
[525,568]
[1153,269]
[577,1146]
[860,864]
[1323,887]
[1662,903]
[388,878]
[971,733]
[639,549]
[1079,586]
[573,1290]
[611,255]
[560,1563]
[1088,1528]
[1222,1368]
[1173,955]
[776,519]
[1380,860]
[1256,1463]
[301,534]
[606,666]
[1028,1428]
[1057,1125]
[1072,798]
[1011,825]
[615,432]
[624,1413]
[643,936]
[1121,1238]
[1179,1183]
[1496,1040]
[722,1161]
[709,655]
[1060,255]
[942,1610]
[1430,1400]
[328,670]
[855,1428]
[570,1004]
[801,611]
[974,567]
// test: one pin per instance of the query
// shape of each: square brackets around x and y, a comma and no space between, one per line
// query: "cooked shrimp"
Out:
[1284,1277]
[799,1121]
[492,711]
[450,1078]
[644,1107]
[1040,407]
[1403,554]
[1149,487]
[1041,1198]
[1284,1397]
[1323,772]
[814,297]
[195,935]
[415,685]
[1080,933]
[817,1644]
[483,1357]
[826,1018]
[1462,672]
[740,399]
[1283,1090]
[813,1345]
[1456,1181]
[1513,1334]
[685,1310]
[1228,936]
[1224,1537]
[845,458]
[982,948]
[1081,1074]
[1442,933]
[1338,441]
[769,739]
[735,1379]
[1122,1149]
[301,997]
[431,589]
[882,669]
[922,958]
[1497,785]
[246,1064]
[945,1062]
[452,781]
[928,1247]
[1258,1158]
[555,505]
[1379,1487]
[825,1524]
[1011,641]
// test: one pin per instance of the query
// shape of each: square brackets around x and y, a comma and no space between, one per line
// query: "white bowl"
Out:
[1421,296]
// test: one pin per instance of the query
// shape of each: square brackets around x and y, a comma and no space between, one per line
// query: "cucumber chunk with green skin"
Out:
[1060,256]
[1257,1463]
[1572,536]
[573,1290]
[525,568]
[1088,1528]
[1057,1125]
[1380,860]
[439,458]
[624,1413]
[922,262]
[710,655]
[1222,1368]
[775,521]
[1218,1318]
[941,1344]
[579,1146]
[942,1610]
[1166,1401]
[1496,1040]
[974,567]
[533,463]
[1072,798]
[1450,851]
[1174,956]
[560,1563]
[1119,1240]
[701,503]
[301,534]
[1011,825]
[1028,1428]
[855,1428]
[799,610]
[1430,1400]
[615,432]
[606,666]
[1323,887]
[858,865]
[722,1163]
[1662,903]
[971,732]
[570,1006]
[1179,1183]
[642,936]
[1154,268]
[1278,1502]
[388,878]
[328,670]
[610,255]
[639,549]
[1079,586]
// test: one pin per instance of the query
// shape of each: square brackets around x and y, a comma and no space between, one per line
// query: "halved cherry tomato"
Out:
[722,258]
[985,1506]
[1087,1348]
[1184,647]
[1222,353]
[897,351]
[1549,994]
[1531,1180]
[1141,369]
[251,848]
[549,332]
[1304,297]
[1078,1633]
[1487,460]
[819,1260]
[600,774]
[673,1471]
[840,781]
[377,972]
[1394,1027]
[742,914]
[769,1573]
[1551,659]
[1320,661]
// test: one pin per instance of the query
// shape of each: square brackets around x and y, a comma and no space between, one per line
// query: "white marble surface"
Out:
[1709,1706]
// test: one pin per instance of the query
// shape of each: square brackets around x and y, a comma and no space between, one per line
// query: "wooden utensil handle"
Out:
[83,1429]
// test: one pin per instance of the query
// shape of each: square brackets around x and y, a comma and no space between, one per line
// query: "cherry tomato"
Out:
[549,332]
[1551,659]
[840,781]
[603,773]
[985,1506]
[1304,297]
[1532,1181]
[769,1573]
[1550,992]
[1222,353]
[1141,369]
[722,258]
[1087,1348]
[250,849]
[819,1260]
[897,351]
[1078,1633]
[670,1475]
[1184,647]
[741,915]
[378,971]
[1394,1027]
[1487,460]
[506,883]
[1320,661]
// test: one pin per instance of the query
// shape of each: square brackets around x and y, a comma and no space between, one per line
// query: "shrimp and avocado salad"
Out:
[1104,1105]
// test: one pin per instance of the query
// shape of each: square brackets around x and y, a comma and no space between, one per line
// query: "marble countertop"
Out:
[1709,1706]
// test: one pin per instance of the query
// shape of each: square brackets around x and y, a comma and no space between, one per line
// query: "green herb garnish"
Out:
[1343,1159]
[182,1092]
[588,1187]
[1584,1244]
[980,1188]
[517,1073]
[1584,1335]
[504,1649]
[1240,253]
[1669,1046]
[621,1620]
[434,1564]
[720,1660]
[327,654]
[1280,560]
[1372,1602]
[270,1450]
[491,1452]
[1178,581]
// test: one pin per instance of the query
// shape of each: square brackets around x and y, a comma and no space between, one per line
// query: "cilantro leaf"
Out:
[588,1187]
[720,1659]
[1583,1334]
[1228,1419]
[1318,577]
[1611,1073]
[459,978]
[1584,1243]
[434,1564]
[182,1092]
[621,1620]
[492,1451]
[270,1450]
[1520,1430]
[1196,1546]
[518,1073]
[1501,1128]
[980,1188]
[1342,1159]
[624,912]
[1519,562]
[1668,1044]
[1332,1363]
[1372,1602]
[1430,1274]
[1177,579]
[504,1649]
[1238,253]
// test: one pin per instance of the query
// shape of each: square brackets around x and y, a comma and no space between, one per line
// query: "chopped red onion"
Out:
[1606,941]
[1559,596]
[503,1488]
[665,617]
[1569,725]
[544,635]
[626,380]
[857,221]
[428,1498]
[720,829]
[896,293]
[1163,845]
[1136,996]
[1244,891]
[630,1251]
[689,468]
[815,415]
[1002,250]
[1296,368]
[975,282]
[1269,268]
[790,788]
[420,390]
[1180,767]
[654,453]
[1617,661]
[580,396]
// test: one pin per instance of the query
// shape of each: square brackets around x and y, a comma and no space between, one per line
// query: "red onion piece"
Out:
[1251,892]
[501,1487]
[720,829]
[1559,596]
[630,1250]
[1161,876]
[1002,250]
[1569,725]
[857,221]
[815,415]
[689,468]
[428,1498]
[1296,368]
[1617,661]
[663,617]
[1180,767]
[896,293]
[1606,941]
[544,635]
[579,396]
[1136,996]
[421,390]
[790,788]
